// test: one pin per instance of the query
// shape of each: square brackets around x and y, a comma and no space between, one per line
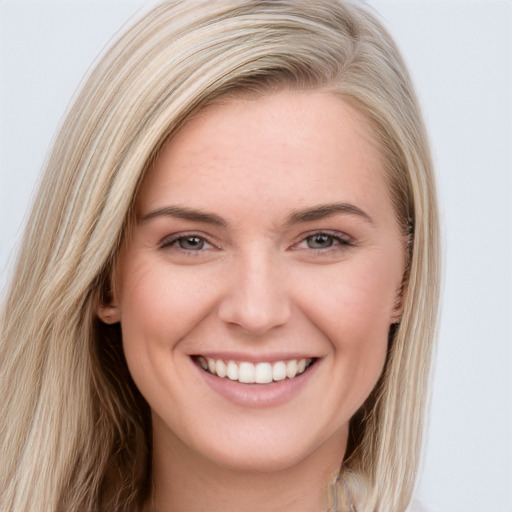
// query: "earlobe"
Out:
[107,307]
[109,314]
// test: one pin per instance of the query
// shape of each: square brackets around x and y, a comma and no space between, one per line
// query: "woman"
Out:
[227,290]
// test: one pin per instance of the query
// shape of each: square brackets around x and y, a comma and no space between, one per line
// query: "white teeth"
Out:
[249,373]
[232,370]
[279,370]
[263,373]
[291,369]
[220,368]
[246,373]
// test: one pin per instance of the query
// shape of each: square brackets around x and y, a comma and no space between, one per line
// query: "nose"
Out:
[256,298]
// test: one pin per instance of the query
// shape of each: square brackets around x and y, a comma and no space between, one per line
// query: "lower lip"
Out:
[258,396]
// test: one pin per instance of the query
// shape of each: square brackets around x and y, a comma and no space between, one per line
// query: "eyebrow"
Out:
[182,212]
[305,215]
[326,210]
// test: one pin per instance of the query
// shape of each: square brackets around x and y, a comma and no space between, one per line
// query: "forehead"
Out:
[283,145]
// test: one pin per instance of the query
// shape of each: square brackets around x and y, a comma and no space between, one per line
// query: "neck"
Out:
[184,481]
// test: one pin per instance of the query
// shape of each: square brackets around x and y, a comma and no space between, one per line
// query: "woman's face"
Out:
[265,248]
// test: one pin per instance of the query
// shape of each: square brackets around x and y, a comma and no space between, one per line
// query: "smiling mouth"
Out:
[250,373]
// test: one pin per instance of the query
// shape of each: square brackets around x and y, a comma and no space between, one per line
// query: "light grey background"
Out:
[460,56]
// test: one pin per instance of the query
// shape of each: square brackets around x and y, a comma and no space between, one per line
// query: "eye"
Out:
[187,243]
[322,241]
[190,243]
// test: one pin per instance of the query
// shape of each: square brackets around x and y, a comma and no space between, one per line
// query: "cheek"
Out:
[354,301]
[159,303]
[354,315]
[352,305]
[160,306]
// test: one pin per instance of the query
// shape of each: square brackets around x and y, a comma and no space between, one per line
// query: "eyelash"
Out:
[173,241]
[337,242]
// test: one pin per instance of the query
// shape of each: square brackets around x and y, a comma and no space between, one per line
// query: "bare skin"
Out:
[302,488]
[264,235]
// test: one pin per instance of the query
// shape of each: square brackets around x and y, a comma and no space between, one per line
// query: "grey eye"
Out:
[191,243]
[320,241]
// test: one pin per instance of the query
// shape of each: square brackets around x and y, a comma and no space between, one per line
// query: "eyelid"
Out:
[343,239]
[168,241]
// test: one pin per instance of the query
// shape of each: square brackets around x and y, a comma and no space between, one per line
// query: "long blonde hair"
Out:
[74,431]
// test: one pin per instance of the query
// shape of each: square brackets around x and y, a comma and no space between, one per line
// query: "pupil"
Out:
[320,241]
[191,243]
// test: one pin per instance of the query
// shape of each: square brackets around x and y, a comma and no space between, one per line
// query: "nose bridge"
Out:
[256,299]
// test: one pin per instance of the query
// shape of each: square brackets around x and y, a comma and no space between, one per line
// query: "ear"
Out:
[107,306]
[109,313]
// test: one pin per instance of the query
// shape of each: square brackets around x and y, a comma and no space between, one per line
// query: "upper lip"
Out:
[253,358]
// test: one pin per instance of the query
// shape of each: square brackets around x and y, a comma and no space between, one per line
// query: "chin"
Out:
[259,461]
[272,450]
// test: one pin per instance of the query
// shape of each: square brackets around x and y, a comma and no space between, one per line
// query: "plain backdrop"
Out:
[460,56]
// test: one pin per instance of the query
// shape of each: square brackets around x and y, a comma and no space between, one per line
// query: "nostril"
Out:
[253,316]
